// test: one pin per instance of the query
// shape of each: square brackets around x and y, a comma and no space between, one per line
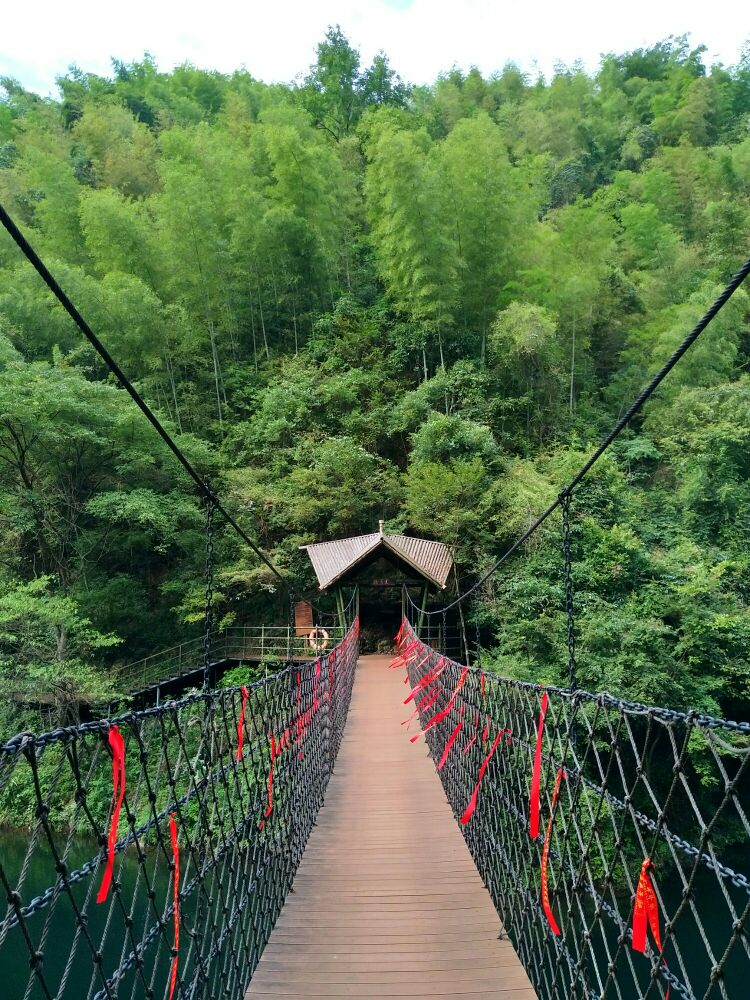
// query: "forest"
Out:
[350,298]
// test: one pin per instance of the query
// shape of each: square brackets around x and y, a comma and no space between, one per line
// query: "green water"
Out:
[53,931]
[695,965]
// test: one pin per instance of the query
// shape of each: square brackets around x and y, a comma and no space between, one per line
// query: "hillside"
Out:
[353,299]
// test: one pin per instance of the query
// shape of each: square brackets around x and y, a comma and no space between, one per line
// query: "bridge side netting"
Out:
[638,809]
[221,790]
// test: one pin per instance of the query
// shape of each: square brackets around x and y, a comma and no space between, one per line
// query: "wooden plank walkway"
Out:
[387,901]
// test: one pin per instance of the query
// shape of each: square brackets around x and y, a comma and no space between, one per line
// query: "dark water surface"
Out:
[53,931]
[67,958]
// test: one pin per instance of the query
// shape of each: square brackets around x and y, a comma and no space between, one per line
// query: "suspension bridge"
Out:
[594,862]
[455,832]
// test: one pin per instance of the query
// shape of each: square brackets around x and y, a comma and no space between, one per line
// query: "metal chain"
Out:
[569,594]
[210,504]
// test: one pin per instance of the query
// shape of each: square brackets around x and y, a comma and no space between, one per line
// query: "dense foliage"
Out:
[353,299]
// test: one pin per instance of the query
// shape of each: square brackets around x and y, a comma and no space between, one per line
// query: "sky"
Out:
[275,40]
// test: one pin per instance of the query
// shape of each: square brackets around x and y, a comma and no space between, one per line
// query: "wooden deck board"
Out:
[387,901]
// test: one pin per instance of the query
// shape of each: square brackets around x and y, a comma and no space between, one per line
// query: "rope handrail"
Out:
[622,789]
[208,800]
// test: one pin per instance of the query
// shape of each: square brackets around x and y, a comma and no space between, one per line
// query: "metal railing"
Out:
[240,643]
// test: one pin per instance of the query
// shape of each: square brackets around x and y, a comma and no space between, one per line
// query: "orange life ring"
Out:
[317,639]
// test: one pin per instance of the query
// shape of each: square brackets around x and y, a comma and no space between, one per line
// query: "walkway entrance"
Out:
[387,901]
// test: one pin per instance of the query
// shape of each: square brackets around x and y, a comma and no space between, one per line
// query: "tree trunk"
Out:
[572,367]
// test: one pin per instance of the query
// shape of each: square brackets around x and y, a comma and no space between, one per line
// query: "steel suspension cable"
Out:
[618,428]
[205,490]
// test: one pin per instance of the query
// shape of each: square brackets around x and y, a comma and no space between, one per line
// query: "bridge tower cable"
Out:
[635,407]
[204,488]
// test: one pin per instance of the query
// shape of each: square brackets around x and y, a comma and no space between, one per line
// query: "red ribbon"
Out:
[545,856]
[469,811]
[646,913]
[176,890]
[451,740]
[269,807]
[439,716]
[536,776]
[407,654]
[482,685]
[412,717]
[241,725]
[117,746]
[471,743]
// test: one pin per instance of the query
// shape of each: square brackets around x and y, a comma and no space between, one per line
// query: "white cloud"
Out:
[277,41]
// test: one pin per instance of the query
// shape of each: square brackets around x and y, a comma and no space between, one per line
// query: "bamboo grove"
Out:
[353,298]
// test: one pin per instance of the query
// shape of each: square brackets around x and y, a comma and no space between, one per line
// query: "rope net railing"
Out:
[613,837]
[156,848]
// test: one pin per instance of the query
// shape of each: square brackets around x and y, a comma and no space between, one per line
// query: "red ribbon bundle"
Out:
[241,725]
[429,699]
[439,716]
[427,679]
[176,891]
[449,743]
[646,912]
[117,746]
[545,856]
[407,654]
[536,776]
[469,811]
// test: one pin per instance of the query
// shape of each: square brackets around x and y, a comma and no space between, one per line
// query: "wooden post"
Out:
[356,600]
